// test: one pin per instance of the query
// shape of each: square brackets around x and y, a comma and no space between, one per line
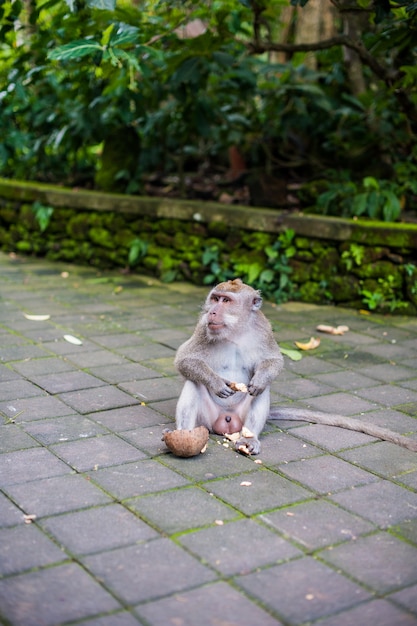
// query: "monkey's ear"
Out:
[256,303]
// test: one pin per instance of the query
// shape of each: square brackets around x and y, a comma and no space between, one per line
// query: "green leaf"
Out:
[75,50]
[105,38]
[294,355]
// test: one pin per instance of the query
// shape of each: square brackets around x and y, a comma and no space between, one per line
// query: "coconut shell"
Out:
[186,443]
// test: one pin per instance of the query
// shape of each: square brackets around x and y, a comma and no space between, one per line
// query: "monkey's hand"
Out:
[255,389]
[248,445]
[225,391]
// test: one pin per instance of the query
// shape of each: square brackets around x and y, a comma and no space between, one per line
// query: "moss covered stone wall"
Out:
[323,260]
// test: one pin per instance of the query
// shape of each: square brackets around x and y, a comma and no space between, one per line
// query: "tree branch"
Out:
[387,75]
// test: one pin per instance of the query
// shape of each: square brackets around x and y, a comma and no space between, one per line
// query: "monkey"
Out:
[233,342]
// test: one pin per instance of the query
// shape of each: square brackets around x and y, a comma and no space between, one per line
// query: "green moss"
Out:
[101,237]
[312,292]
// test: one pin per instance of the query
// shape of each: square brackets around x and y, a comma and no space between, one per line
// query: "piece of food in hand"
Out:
[239,387]
[186,443]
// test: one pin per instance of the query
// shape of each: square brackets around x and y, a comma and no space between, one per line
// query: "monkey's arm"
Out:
[350,423]
[197,370]
[265,372]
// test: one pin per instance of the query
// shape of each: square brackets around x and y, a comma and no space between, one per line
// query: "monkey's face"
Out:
[221,314]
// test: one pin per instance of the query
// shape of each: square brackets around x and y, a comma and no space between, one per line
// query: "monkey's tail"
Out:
[350,423]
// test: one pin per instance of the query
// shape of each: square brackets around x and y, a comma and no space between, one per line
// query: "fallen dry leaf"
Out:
[310,345]
[37,318]
[74,340]
[332,330]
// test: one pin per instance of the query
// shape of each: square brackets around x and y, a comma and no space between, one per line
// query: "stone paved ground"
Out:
[125,533]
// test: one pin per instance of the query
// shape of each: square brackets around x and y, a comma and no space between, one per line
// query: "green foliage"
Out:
[383,297]
[76,71]
[270,274]
[42,215]
[138,249]
[378,200]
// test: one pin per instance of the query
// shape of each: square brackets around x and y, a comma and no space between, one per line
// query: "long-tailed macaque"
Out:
[233,343]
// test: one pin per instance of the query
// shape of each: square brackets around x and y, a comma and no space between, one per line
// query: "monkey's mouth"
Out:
[215,326]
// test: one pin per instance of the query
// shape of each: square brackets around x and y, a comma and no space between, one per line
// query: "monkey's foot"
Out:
[248,445]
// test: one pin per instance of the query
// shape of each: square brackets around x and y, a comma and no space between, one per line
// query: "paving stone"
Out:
[53,596]
[408,530]
[129,342]
[280,447]
[239,547]
[378,612]
[392,419]
[67,381]
[6,373]
[330,437]
[36,408]
[388,372]
[392,351]
[123,373]
[154,388]
[149,439]
[67,428]
[317,524]
[95,358]
[211,605]
[217,461]
[302,388]
[148,571]
[144,353]
[381,562]
[410,480]
[98,529]
[37,367]
[13,438]
[189,508]
[346,380]
[25,547]
[388,395]
[20,353]
[267,490]
[303,590]
[52,496]
[28,465]
[346,404]
[382,503]
[103,398]
[16,389]
[406,598]
[326,474]
[119,340]
[386,459]
[134,479]
[115,619]
[132,417]
[98,452]
[10,515]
